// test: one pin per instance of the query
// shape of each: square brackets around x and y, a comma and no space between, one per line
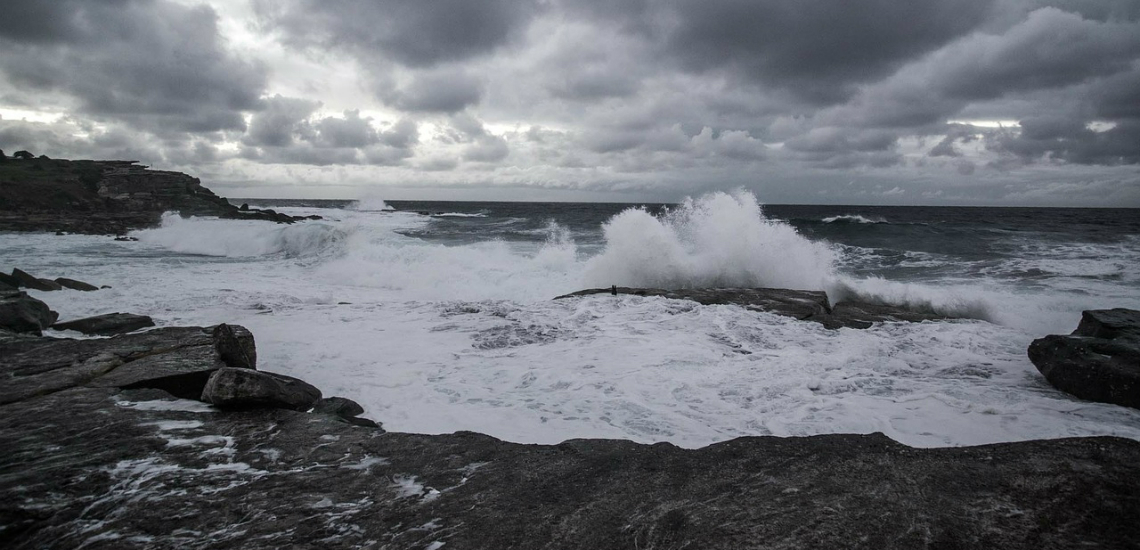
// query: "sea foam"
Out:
[716,240]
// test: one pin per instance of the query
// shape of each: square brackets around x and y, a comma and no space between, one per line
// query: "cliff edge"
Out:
[104,196]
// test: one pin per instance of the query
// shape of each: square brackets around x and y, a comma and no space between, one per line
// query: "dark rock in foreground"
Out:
[22,313]
[107,324]
[177,360]
[230,388]
[97,456]
[808,305]
[1100,361]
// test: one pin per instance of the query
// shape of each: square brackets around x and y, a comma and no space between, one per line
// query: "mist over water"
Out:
[438,316]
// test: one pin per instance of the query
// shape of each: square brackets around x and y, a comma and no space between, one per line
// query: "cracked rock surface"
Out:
[95,461]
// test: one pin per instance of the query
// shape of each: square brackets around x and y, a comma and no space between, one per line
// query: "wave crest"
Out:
[716,240]
[241,238]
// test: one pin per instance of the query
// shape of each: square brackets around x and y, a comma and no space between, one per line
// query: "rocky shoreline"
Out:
[105,197]
[175,438]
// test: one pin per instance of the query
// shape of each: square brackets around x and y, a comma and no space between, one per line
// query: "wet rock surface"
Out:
[107,197]
[107,324]
[22,313]
[99,456]
[809,305]
[1099,361]
[230,388]
[75,285]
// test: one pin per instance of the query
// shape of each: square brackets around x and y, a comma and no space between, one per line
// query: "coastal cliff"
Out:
[104,196]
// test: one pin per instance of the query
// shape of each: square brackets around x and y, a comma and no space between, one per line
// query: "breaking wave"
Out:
[716,240]
[853,218]
[241,238]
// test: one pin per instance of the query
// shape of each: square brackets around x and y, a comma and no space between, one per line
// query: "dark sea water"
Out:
[1021,246]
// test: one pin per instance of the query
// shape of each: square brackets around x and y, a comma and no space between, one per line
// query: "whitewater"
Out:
[444,320]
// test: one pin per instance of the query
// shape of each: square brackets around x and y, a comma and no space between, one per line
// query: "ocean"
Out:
[438,316]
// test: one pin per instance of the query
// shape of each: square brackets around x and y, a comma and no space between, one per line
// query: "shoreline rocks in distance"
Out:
[105,197]
[1099,361]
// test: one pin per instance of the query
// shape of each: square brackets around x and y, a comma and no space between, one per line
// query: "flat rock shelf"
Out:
[99,454]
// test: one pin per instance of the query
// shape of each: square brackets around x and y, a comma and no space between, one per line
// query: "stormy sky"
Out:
[971,102]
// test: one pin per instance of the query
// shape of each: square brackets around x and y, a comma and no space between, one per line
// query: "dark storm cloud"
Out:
[442,91]
[1070,140]
[285,130]
[414,33]
[157,65]
[818,50]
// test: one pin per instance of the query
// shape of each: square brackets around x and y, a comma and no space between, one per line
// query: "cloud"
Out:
[412,33]
[157,65]
[285,130]
[442,91]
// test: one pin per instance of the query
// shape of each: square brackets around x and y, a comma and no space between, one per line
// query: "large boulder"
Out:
[107,324]
[1100,361]
[27,280]
[8,280]
[22,313]
[75,285]
[230,388]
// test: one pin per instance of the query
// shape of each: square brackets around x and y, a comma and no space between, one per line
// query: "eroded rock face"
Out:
[22,313]
[178,360]
[107,324]
[27,280]
[75,285]
[104,197]
[104,468]
[95,464]
[807,305]
[1100,361]
[230,388]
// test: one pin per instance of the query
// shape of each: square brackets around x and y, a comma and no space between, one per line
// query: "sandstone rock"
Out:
[339,406]
[26,280]
[232,388]
[136,469]
[808,305]
[178,360]
[1099,362]
[22,313]
[107,324]
[1109,323]
[800,304]
[344,410]
[75,285]
[9,280]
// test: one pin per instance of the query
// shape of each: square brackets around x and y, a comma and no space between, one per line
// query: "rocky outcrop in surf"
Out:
[807,305]
[1099,361]
[104,197]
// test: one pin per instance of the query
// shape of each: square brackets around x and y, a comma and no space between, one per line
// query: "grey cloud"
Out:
[413,33]
[158,65]
[280,121]
[816,50]
[1051,48]
[285,131]
[1070,140]
[444,91]
[350,131]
